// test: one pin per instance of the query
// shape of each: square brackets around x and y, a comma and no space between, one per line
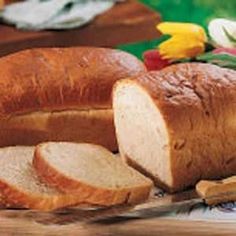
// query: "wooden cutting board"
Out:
[126,22]
[21,222]
[185,218]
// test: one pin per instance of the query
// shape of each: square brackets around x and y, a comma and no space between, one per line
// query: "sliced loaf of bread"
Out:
[20,185]
[177,125]
[91,169]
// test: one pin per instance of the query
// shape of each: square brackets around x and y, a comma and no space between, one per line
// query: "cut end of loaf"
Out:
[141,132]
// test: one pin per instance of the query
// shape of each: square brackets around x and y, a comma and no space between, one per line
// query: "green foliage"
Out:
[196,11]
[137,49]
[223,60]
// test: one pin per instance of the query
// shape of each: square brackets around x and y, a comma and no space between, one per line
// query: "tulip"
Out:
[223,32]
[154,61]
[187,40]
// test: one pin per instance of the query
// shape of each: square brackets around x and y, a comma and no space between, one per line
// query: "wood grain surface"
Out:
[89,221]
[126,22]
[18,222]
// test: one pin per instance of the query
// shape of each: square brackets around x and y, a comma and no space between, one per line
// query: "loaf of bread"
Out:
[20,185]
[90,170]
[178,125]
[61,94]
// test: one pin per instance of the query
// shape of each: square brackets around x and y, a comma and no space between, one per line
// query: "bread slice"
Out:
[177,125]
[20,185]
[90,169]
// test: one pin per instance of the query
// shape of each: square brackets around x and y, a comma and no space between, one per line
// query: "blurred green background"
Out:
[197,11]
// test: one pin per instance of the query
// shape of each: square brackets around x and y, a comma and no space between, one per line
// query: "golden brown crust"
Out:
[62,78]
[91,194]
[197,102]
[42,202]
[6,204]
[214,192]
[90,126]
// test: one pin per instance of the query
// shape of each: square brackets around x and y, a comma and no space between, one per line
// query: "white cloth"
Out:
[53,14]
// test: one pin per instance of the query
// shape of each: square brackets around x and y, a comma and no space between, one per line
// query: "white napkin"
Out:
[53,14]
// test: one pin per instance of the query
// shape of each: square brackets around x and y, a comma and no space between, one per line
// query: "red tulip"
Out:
[153,60]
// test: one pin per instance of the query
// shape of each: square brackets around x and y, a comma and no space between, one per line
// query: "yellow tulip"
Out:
[187,40]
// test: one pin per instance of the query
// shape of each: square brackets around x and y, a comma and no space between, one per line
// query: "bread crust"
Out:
[91,126]
[17,198]
[91,194]
[52,79]
[215,192]
[20,186]
[6,204]
[197,102]
[59,80]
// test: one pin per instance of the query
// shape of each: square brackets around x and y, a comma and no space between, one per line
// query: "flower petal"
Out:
[154,61]
[178,47]
[220,29]
[173,28]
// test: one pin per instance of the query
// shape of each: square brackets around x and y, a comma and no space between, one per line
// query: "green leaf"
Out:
[138,48]
[222,59]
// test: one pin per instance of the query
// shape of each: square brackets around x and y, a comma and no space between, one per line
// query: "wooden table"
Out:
[126,22]
[28,223]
